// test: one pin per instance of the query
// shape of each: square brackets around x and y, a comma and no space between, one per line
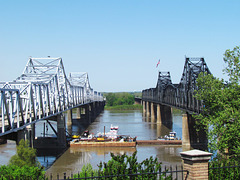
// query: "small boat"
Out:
[172,136]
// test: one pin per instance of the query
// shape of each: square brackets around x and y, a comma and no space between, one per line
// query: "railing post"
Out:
[195,162]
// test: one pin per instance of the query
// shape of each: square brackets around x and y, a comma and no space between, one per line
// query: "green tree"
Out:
[124,98]
[25,155]
[124,167]
[220,114]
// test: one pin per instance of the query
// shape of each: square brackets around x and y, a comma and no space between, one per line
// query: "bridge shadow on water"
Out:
[47,156]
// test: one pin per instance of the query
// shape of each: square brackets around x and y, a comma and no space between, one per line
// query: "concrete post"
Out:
[61,130]
[78,113]
[196,163]
[185,133]
[152,112]
[159,117]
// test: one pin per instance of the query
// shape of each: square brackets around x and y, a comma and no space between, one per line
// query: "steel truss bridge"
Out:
[180,95]
[41,92]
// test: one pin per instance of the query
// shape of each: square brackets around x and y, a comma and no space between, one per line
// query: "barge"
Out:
[102,144]
[110,139]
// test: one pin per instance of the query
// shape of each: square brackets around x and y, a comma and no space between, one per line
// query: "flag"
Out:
[158,63]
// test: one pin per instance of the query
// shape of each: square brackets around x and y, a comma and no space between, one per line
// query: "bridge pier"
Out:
[69,121]
[144,107]
[159,117]
[78,112]
[61,130]
[147,109]
[152,112]
[161,113]
[191,138]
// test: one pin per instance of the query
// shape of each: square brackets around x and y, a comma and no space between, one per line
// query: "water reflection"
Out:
[74,158]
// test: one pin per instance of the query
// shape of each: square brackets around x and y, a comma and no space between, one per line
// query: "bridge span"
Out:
[158,101]
[44,92]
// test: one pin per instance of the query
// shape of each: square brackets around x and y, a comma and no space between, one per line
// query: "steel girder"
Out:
[179,95]
[43,90]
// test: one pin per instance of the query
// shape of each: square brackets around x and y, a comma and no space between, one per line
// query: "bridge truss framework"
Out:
[42,91]
[180,95]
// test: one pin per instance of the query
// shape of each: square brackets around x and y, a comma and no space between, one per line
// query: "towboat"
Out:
[172,136]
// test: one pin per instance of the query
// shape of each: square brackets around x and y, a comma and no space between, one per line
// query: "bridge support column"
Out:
[159,117]
[144,107]
[191,137]
[27,134]
[61,130]
[185,133]
[78,113]
[152,112]
[147,109]
[87,114]
[93,111]
[69,121]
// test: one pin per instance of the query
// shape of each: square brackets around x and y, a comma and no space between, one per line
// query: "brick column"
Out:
[196,163]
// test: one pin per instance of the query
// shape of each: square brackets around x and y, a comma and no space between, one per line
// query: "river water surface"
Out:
[130,123]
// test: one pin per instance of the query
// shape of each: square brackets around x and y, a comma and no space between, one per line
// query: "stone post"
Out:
[196,163]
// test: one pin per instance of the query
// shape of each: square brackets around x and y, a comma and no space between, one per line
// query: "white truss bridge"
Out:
[41,92]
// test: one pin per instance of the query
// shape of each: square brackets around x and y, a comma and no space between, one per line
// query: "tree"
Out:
[25,155]
[220,114]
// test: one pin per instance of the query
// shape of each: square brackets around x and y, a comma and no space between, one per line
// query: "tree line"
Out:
[122,98]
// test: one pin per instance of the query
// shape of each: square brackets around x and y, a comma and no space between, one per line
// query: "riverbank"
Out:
[124,107]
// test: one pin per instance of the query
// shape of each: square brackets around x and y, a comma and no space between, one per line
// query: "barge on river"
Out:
[110,139]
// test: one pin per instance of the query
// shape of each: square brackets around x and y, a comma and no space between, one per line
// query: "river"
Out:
[130,123]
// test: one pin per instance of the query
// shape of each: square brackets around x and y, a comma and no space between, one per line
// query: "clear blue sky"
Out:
[118,42]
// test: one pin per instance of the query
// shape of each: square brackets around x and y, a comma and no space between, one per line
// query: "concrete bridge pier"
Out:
[152,112]
[191,138]
[93,111]
[159,117]
[61,130]
[27,133]
[144,107]
[87,113]
[69,121]
[147,109]
[78,113]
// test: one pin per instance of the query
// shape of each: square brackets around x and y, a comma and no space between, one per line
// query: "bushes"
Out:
[25,155]
[224,169]
[123,167]
[21,173]
[23,165]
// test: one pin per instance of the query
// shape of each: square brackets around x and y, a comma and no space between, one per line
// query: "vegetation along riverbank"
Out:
[122,101]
